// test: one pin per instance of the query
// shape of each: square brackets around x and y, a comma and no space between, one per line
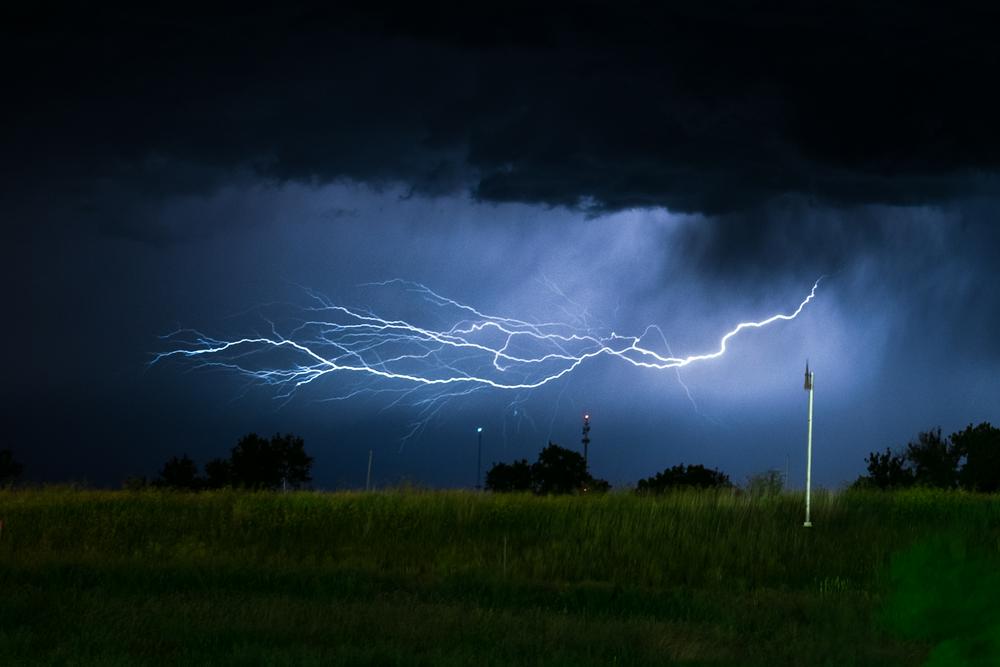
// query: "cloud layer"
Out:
[603,106]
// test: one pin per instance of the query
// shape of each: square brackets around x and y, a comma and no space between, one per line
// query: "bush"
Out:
[682,476]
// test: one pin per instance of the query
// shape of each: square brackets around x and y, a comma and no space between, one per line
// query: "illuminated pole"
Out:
[586,437]
[479,459]
[809,443]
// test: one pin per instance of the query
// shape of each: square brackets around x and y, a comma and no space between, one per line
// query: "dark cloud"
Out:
[598,105]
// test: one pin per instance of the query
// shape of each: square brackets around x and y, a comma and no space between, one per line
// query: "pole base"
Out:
[807,524]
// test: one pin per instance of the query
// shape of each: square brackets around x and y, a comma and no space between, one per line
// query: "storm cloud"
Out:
[601,106]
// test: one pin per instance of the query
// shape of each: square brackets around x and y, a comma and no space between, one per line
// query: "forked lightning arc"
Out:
[476,351]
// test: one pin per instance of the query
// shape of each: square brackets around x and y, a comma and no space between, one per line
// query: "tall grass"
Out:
[690,538]
[458,578]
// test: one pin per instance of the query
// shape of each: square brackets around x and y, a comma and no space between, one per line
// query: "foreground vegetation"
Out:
[457,578]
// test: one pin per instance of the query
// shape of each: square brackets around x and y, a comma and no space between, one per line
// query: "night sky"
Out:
[605,165]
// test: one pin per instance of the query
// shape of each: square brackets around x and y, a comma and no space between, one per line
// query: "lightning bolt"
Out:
[478,351]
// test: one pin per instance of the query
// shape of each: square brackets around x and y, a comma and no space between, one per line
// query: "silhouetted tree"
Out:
[218,474]
[257,463]
[934,460]
[179,473]
[969,458]
[296,463]
[980,447]
[503,477]
[10,469]
[558,470]
[681,476]
[886,470]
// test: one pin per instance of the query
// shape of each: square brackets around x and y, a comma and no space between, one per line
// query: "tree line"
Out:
[278,462]
[968,459]
[557,470]
[562,471]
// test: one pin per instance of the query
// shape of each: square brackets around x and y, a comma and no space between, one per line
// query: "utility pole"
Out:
[368,479]
[809,443]
[586,436]
[479,459]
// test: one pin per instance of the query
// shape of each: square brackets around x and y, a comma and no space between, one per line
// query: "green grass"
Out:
[456,578]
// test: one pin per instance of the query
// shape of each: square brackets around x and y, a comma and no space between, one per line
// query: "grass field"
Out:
[457,578]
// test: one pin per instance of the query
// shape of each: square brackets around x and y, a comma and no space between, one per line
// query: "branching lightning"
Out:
[477,350]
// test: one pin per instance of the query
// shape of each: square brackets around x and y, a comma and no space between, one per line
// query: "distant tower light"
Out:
[586,436]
